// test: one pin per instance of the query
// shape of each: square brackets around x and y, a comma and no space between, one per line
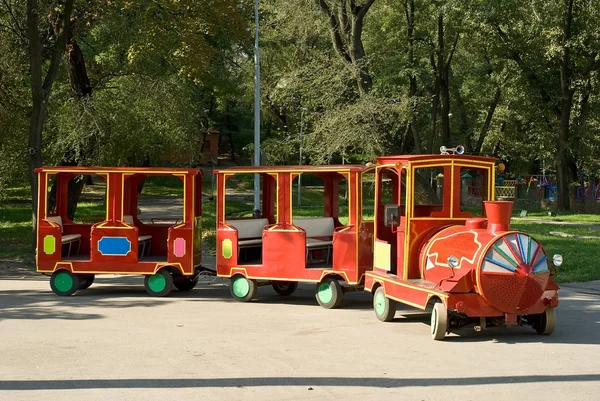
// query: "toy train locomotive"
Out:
[422,230]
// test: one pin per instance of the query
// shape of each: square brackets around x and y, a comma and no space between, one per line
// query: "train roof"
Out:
[106,170]
[405,159]
[334,168]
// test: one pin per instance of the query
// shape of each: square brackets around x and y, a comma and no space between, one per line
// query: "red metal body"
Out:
[498,272]
[113,244]
[282,253]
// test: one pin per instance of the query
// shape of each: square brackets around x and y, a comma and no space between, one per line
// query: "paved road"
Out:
[113,342]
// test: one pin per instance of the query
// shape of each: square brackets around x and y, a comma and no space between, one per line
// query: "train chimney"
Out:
[498,214]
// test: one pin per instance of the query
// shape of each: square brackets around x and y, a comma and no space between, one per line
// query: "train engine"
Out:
[490,275]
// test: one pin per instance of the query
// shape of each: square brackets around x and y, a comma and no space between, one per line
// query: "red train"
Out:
[422,230]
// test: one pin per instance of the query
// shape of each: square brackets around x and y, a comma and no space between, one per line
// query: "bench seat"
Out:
[316,228]
[250,242]
[314,243]
[249,232]
[143,240]
[68,238]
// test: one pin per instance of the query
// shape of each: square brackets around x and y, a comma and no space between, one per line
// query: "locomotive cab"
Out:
[442,243]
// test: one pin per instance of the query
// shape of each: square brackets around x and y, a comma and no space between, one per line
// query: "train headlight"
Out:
[452,261]
[557,260]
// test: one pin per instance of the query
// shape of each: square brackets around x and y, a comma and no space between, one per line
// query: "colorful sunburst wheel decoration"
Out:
[514,273]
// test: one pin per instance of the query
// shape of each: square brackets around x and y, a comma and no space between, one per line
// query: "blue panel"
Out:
[114,246]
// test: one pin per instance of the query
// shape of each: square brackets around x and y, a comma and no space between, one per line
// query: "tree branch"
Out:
[449,59]
[362,10]
[9,8]
[59,48]
[338,42]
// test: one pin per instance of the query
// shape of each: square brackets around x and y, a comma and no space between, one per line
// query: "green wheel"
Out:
[329,293]
[64,283]
[185,283]
[159,284]
[385,308]
[85,281]
[242,289]
[285,288]
[439,321]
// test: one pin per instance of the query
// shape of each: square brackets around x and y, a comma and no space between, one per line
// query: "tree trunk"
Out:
[435,106]
[488,120]
[562,158]
[409,8]
[442,78]
[40,92]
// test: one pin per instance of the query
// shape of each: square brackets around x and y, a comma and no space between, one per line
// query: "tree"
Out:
[346,23]
[41,85]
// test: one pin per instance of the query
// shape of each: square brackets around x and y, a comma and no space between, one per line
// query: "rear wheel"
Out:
[439,321]
[329,293]
[63,283]
[545,322]
[159,284]
[85,281]
[242,289]
[285,288]
[384,308]
[185,283]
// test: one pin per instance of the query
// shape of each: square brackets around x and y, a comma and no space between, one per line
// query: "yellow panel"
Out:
[382,255]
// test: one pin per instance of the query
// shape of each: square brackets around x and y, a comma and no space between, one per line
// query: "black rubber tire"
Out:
[63,293]
[252,289]
[336,293]
[285,288]
[389,305]
[168,284]
[185,283]
[85,281]
[545,322]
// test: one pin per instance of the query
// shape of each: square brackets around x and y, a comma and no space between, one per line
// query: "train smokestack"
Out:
[498,214]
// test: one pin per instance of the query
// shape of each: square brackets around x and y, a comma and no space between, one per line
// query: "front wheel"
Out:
[159,284]
[384,308]
[545,322]
[64,283]
[285,288]
[242,289]
[439,321]
[329,293]
[185,283]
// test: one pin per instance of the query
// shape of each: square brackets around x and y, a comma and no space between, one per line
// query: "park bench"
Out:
[67,239]
[319,235]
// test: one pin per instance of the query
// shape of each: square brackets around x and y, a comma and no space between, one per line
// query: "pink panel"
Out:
[179,247]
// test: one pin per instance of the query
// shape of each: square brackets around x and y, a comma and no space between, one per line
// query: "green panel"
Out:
[227,248]
[49,245]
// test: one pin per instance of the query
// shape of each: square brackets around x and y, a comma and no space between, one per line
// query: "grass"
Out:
[580,257]
[562,217]
[15,233]
[15,224]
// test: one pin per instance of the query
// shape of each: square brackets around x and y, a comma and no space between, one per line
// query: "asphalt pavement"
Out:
[113,342]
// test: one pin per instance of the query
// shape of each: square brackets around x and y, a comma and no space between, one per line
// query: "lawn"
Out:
[15,225]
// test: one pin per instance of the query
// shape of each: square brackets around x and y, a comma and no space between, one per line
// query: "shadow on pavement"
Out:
[379,382]
[40,304]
